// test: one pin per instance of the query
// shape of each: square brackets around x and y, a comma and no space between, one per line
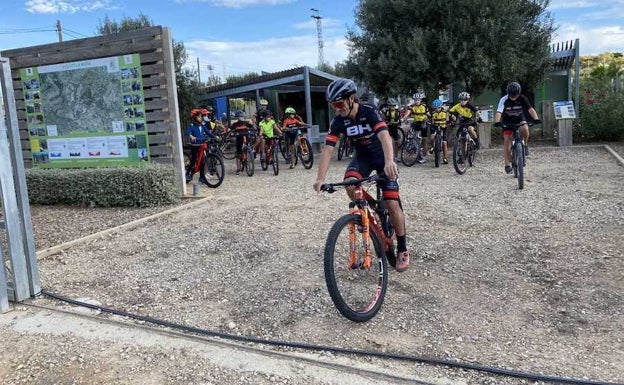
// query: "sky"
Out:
[233,37]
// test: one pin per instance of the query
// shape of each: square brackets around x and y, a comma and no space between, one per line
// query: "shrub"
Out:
[152,185]
[601,115]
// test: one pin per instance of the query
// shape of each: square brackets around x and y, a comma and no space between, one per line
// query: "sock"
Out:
[401,243]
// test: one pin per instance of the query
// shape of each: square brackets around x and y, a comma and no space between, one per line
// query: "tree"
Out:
[399,48]
[186,80]
[241,78]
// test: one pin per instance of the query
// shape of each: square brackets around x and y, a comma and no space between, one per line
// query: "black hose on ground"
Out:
[359,352]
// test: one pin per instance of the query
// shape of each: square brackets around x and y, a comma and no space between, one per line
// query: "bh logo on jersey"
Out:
[358,130]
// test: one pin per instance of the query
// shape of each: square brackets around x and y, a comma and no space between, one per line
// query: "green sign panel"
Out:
[88,113]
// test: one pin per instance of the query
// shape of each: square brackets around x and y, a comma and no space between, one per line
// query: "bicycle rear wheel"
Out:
[214,170]
[341,147]
[519,160]
[228,146]
[275,159]
[472,153]
[357,292]
[410,152]
[401,140]
[305,153]
[264,162]
[460,163]
[249,162]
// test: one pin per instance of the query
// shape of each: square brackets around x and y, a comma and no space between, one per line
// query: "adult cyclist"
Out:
[368,132]
[510,110]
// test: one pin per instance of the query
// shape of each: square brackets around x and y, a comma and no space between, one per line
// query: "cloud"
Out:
[567,4]
[236,58]
[593,41]
[237,3]
[64,6]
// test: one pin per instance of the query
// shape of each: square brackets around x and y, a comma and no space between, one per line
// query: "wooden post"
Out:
[564,132]
[485,134]
[549,123]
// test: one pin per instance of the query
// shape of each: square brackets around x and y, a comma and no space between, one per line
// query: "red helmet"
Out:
[195,112]
[204,112]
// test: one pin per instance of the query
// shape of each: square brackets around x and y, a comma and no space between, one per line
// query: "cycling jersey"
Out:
[419,112]
[362,131]
[512,111]
[392,116]
[467,112]
[266,127]
[200,132]
[241,126]
[440,118]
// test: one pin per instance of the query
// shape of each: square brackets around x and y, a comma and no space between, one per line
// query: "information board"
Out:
[564,110]
[87,113]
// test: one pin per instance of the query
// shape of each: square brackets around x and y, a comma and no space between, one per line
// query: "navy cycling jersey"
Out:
[512,111]
[362,131]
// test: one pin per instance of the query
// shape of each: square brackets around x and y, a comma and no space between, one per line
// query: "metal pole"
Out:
[59,30]
[198,72]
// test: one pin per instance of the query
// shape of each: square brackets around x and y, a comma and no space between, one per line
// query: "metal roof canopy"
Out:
[295,79]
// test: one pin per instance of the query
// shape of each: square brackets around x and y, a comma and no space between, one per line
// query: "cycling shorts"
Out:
[361,167]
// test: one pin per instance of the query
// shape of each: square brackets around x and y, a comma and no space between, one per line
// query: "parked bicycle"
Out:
[345,148]
[411,149]
[358,249]
[271,155]
[464,149]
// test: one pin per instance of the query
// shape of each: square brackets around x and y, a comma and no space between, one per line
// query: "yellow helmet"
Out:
[264,102]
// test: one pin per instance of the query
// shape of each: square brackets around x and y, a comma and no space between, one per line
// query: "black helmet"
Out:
[340,89]
[365,97]
[513,89]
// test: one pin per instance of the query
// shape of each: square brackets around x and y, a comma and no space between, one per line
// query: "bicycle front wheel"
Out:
[460,163]
[437,149]
[519,160]
[275,159]
[410,152]
[214,170]
[357,292]
[228,146]
[305,153]
[249,162]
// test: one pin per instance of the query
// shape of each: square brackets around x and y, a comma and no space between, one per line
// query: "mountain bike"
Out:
[464,149]
[437,145]
[303,150]
[209,158]
[247,155]
[345,148]
[358,248]
[411,149]
[271,155]
[227,144]
[518,152]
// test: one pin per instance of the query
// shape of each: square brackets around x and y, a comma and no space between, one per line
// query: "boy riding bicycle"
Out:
[197,134]
[421,114]
[292,124]
[242,129]
[363,124]
[467,114]
[440,118]
[510,110]
[268,129]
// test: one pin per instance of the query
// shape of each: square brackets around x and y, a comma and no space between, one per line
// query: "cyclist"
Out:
[242,128]
[268,129]
[466,112]
[421,114]
[510,110]
[373,144]
[197,134]
[392,116]
[210,121]
[264,109]
[292,124]
[439,118]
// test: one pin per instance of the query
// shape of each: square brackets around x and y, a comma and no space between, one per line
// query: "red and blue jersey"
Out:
[362,130]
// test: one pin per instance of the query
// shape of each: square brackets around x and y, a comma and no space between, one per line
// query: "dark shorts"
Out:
[291,136]
[444,133]
[361,167]
[239,142]
[423,127]
[393,129]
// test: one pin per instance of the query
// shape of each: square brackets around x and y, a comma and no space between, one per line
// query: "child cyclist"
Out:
[421,114]
[242,128]
[440,118]
[268,129]
[197,133]
[467,114]
[291,124]
[392,116]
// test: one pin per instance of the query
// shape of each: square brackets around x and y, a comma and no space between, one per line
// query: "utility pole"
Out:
[198,72]
[319,32]
[59,30]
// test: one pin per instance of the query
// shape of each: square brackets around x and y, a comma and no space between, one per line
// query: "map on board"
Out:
[82,100]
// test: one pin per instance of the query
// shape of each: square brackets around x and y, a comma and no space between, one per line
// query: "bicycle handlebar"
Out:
[331,187]
[516,125]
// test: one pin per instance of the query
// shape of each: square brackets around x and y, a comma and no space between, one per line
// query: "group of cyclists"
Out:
[262,126]
[374,132]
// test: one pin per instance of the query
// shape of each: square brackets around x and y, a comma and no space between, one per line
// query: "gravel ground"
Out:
[530,279]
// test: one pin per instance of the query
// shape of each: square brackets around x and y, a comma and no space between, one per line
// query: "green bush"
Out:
[152,185]
[602,118]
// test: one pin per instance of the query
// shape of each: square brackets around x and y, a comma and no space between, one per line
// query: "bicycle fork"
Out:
[367,261]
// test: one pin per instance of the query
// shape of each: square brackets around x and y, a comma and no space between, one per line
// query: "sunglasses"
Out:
[339,105]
